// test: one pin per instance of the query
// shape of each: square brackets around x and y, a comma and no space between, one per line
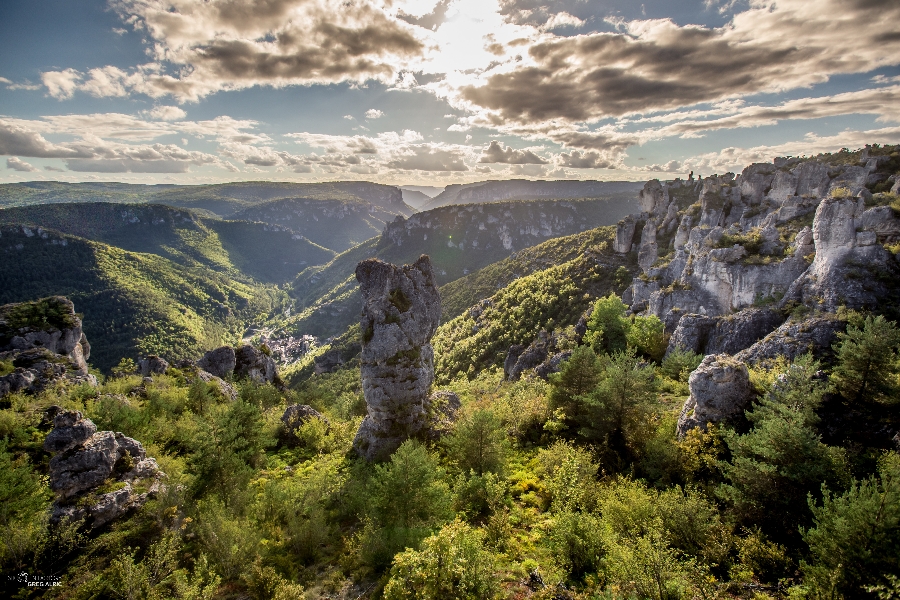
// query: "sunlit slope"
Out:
[133,303]
[245,251]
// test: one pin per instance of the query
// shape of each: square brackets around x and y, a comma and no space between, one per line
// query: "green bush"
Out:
[451,564]
[679,364]
[855,541]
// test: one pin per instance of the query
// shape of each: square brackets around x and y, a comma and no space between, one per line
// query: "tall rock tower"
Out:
[401,311]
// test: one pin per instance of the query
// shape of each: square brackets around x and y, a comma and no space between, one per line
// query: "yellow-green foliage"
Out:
[549,299]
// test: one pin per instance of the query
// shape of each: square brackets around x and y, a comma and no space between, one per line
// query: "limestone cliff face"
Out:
[401,311]
[503,227]
[791,231]
[724,261]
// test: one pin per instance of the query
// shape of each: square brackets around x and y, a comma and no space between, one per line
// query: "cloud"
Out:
[884,102]
[374,113]
[93,153]
[214,46]
[19,141]
[495,153]
[658,65]
[562,19]
[61,84]
[426,157]
[55,169]
[20,165]
[585,160]
[167,113]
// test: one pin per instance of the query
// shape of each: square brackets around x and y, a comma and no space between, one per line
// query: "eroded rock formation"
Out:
[757,265]
[401,311]
[44,342]
[96,476]
[720,391]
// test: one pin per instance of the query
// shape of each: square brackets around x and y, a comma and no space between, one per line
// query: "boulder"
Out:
[692,333]
[401,311]
[295,416]
[741,330]
[219,362]
[152,365]
[226,390]
[69,430]
[720,391]
[85,460]
[254,364]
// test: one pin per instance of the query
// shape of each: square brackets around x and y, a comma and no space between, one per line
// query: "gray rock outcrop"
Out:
[96,476]
[254,364]
[219,362]
[401,311]
[724,335]
[246,361]
[720,391]
[795,231]
[45,343]
[815,335]
[152,365]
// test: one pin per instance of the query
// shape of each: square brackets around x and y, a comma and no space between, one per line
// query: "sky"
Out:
[434,92]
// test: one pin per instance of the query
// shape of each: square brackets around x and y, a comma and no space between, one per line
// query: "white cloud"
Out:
[167,113]
[374,113]
[17,164]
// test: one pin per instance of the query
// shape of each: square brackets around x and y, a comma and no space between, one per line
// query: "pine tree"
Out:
[867,362]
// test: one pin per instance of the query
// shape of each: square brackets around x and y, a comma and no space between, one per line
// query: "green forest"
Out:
[576,487]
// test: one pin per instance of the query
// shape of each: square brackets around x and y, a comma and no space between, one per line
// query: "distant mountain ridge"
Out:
[459,240]
[523,189]
[336,225]
[222,200]
[246,251]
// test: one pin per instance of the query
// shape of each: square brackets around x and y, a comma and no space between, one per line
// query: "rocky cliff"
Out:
[42,341]
[522,189]
[783,234]
[758,265]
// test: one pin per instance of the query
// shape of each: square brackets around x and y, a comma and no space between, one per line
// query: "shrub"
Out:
[856,538]
[576,540]
[478,443]
[867,361]
[679,364]
[451,564]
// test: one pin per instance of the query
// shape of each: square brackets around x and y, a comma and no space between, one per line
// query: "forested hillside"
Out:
[133,303]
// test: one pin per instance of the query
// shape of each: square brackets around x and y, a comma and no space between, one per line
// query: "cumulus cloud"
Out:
[495,153]
[217,46]
[584,160]
[374,113]
[659,65]
[17,164]
[20,141]
[426,157]
[90,152]
[167,113]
